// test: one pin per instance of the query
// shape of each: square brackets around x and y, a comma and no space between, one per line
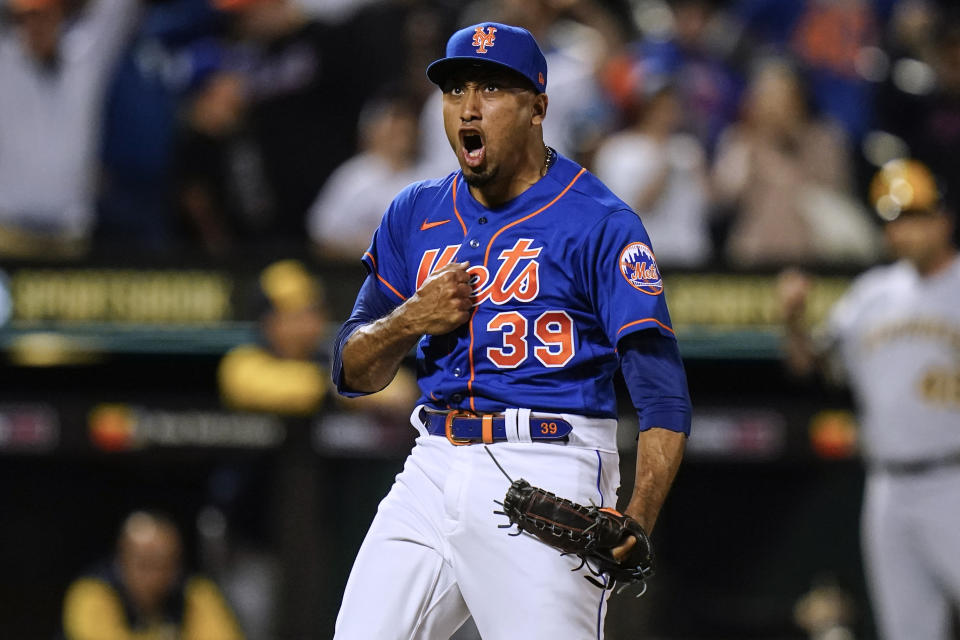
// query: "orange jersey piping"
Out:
[473,406]
[486,256]
[382,279]
[642,320]
[455,212]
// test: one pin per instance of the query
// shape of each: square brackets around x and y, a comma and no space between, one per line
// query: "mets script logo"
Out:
[639,267]
[483,40]
[517,277]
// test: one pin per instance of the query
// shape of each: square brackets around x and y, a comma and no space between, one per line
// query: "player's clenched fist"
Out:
[442,303]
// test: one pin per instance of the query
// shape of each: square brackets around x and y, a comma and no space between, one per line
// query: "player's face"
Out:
[39,30]
[919,236]
[488,115]
[150,564]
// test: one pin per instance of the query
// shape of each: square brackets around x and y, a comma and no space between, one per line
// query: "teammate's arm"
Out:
[792,290]
[803,355]
[373,352]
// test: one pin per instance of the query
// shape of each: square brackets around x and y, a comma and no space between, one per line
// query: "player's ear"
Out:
[539,108]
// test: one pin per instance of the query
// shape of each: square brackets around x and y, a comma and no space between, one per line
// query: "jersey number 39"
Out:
[553,330]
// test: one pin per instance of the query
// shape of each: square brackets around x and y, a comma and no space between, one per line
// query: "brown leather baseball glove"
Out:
[590,533]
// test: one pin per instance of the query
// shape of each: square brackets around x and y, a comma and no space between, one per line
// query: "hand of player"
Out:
[793,287]
[621,550]
[442,303]
[635,511]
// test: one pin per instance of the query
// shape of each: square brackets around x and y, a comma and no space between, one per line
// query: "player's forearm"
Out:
[798,348]
[373,354]
[800,355]
[659,452]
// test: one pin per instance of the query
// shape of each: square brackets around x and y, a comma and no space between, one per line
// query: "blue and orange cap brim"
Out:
[440,70]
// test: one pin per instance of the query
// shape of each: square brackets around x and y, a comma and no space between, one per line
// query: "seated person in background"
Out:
[351,203]
[287,372]
[143,594]
[284,373]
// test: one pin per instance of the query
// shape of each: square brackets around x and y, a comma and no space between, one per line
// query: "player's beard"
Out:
[479,179]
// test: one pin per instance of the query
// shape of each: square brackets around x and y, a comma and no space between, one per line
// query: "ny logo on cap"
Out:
[483,40]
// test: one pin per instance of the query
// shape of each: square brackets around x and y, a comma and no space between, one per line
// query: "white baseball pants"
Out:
[911,541]
[434,556]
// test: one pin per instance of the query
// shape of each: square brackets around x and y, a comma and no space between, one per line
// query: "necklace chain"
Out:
[549,157]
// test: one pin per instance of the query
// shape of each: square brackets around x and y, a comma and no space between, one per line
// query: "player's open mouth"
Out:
[473,149]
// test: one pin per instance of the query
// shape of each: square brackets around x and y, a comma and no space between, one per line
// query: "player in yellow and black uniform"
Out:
[142,595]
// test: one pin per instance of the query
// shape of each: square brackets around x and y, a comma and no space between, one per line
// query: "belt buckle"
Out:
[448,428]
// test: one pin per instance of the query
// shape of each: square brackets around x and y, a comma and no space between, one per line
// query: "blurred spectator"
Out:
[393,42]
[221,191]
[135,212]
[826,611]
[684,44]
[831,40]
[286,373]
[54,67]
[906,78]
[143,591]
[938,138]
[334,10]
[785,175]
[919,99]
[352,202]
[661,174]
[302,84]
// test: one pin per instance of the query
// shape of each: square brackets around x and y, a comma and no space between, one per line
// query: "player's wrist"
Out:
[405,321]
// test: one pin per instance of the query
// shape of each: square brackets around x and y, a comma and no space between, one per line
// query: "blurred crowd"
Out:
[743,132]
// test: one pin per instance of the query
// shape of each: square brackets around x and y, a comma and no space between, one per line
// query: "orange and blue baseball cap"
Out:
[493,43]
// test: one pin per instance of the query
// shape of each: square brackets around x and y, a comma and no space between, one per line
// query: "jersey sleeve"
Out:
[846,317]
[371,305]
[385,258]
[654,375]
[836,339]
[619,272]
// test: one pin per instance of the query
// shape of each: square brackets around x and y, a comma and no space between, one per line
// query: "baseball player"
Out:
[523,283]
[897,334]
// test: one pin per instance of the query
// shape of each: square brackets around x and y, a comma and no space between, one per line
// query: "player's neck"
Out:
[937,263]
[532,166]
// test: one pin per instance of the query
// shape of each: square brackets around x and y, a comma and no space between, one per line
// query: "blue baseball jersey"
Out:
[560,274]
